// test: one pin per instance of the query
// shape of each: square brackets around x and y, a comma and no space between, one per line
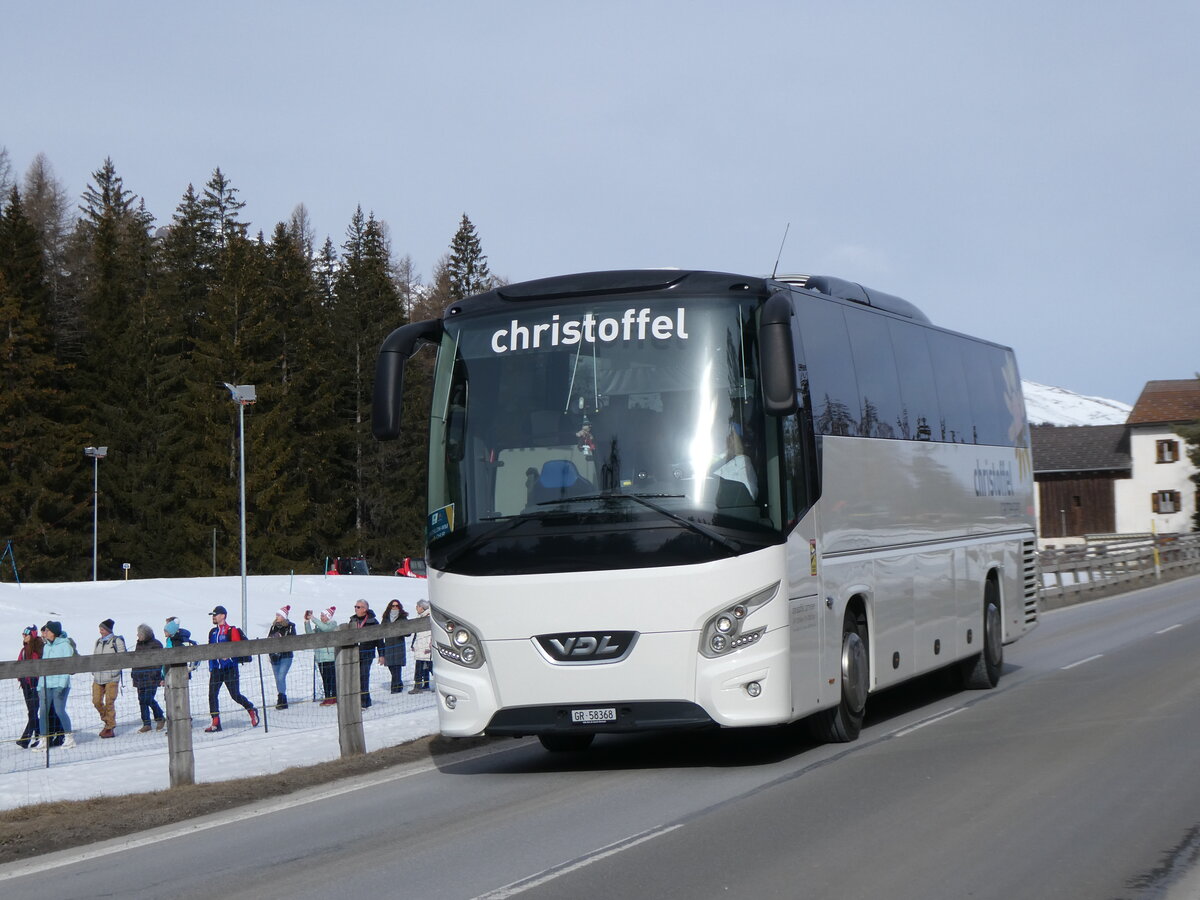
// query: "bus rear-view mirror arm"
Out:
[388,397]
[778,357]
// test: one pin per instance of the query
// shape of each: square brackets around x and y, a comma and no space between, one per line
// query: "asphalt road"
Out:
[1075,778]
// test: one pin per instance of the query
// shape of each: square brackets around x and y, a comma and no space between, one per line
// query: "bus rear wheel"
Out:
[566,743]
[843,722]
[983,671]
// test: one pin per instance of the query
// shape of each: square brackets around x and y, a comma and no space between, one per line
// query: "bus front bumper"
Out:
[747,688]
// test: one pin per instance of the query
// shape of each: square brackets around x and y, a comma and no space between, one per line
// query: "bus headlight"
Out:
[726,631]
[464,647]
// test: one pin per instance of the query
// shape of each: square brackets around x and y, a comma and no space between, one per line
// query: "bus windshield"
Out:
[600,434]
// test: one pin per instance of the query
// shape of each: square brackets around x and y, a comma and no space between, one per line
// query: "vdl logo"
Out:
[587,647]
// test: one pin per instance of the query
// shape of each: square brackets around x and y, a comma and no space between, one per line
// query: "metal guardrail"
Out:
[1105,567]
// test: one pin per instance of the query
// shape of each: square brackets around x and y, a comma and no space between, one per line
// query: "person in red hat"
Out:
[281,662]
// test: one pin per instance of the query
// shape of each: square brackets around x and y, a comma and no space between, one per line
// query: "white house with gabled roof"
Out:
[1160,496]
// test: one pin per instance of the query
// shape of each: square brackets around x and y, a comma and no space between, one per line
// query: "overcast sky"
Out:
[1025,171]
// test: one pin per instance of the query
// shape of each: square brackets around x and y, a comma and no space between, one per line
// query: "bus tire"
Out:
[983,671]
[566,743]
[842,723]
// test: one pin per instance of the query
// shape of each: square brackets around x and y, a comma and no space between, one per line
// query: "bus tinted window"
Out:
[875,367]
[832,385]
[955,423]
[918,390]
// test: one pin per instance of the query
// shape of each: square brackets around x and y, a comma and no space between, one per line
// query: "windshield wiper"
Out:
[644,499]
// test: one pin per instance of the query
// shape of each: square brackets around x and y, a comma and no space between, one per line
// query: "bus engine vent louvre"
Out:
[1032,578]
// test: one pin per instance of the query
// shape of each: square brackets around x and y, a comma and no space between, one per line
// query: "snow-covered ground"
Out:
[133,762]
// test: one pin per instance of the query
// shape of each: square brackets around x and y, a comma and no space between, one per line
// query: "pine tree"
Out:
[42,498]
[467,267]
[114,264]
[367,307]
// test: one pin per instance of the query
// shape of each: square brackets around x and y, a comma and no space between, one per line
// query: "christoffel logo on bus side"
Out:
[993,479]
[633,325]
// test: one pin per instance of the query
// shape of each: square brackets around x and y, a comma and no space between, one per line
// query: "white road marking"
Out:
[1082,661]
[547,875]
[910,729]
[1171,628]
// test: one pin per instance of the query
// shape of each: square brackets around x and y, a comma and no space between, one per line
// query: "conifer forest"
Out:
[120,330]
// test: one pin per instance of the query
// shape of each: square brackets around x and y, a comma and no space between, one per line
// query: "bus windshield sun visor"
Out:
[386,399]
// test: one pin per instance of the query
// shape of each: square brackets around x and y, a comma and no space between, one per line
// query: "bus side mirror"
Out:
[388,395]
[777,356]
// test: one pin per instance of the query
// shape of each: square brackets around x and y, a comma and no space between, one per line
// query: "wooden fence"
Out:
[1100,568]
[178,703]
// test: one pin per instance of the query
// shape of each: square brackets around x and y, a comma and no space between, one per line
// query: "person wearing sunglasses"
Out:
[31,648]
[367,650]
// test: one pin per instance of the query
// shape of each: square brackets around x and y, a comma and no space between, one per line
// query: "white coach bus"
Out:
[664,499]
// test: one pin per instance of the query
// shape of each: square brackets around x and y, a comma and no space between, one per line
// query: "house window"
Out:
[1168,451]
[1165,501]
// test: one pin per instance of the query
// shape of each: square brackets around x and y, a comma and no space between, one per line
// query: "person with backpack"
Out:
[225,671]
[147,680]
[281,662]
[106,684]
[53,689]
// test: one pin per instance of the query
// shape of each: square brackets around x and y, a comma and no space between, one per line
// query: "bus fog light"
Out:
[451,701]
[468,655]
[719,642]
[753,688]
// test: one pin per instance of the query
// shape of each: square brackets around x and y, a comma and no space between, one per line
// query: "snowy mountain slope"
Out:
[1045,405]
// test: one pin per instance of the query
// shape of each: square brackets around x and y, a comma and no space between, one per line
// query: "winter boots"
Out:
[281,701]
[160,724]
[216,724]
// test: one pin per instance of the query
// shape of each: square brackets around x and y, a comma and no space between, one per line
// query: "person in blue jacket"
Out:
[225,671]
[55,688]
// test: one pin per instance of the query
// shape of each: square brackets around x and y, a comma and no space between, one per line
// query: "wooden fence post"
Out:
[181,762]
[351,738]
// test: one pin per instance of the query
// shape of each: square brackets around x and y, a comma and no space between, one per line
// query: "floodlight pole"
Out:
[243,395]
[96,454]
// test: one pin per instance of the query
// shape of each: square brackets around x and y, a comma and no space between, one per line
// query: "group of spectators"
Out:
[48,724]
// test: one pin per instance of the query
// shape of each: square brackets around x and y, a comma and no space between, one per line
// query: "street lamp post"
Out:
[243,395]
[96,454]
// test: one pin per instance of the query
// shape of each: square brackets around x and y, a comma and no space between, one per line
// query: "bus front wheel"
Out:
[983,671]
[843,722]
[566,743]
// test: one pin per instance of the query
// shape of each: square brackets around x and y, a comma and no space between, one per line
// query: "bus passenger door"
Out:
[804,621]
